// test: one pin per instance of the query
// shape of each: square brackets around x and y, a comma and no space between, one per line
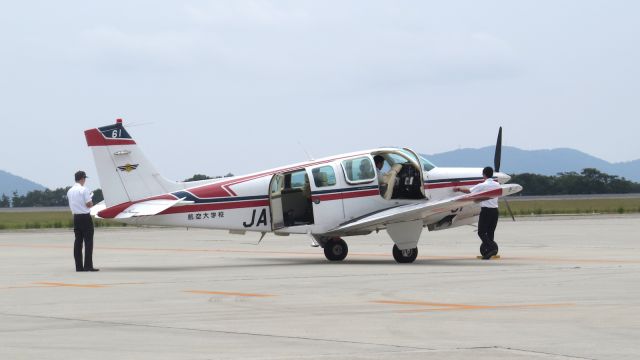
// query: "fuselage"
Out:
[316,196]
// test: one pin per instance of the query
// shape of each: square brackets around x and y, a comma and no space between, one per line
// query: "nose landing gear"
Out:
[404,256]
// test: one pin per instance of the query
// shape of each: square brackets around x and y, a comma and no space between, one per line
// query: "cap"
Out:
[80,175]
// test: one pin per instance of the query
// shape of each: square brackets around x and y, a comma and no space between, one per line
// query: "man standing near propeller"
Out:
[489,208]
[488,213]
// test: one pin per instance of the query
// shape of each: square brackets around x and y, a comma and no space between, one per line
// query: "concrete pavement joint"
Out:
[301,338]
[542,353]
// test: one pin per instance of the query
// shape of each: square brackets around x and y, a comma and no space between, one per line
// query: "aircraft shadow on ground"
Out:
[273,262]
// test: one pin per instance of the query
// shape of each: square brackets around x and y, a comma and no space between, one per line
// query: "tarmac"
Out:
[564,288]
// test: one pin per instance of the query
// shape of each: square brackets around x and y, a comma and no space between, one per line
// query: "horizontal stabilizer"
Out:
[147,208]
[95,209]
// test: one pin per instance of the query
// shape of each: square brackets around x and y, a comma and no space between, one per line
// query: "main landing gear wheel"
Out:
[488,250]
[336,249]
[405,256]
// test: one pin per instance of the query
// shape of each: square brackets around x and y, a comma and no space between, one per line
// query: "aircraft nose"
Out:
[503,178]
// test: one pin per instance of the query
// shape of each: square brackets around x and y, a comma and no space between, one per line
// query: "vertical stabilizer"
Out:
[125,173]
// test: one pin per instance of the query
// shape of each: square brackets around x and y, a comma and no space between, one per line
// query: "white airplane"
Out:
[328,198]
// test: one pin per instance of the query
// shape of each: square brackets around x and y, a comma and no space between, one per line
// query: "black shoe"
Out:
[91,269]
[489,255]
[80,270]
[488,250]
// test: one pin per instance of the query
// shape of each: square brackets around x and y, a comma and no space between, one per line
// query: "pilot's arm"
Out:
[462,189]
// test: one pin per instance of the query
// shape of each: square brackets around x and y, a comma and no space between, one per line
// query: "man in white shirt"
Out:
[80,203]
[488,213]
[378,160]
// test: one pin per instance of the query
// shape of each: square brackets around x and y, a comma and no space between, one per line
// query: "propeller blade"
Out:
[498,154]
[509,208]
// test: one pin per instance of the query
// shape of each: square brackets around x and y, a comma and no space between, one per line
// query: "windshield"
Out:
[396,159]
[426,164]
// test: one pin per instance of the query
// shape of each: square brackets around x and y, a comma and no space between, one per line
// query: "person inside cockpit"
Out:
[379,161]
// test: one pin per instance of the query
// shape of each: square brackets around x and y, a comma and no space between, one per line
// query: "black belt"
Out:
[82,214]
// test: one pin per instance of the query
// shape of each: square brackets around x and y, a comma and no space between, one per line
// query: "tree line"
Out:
[43,198]
[588,181]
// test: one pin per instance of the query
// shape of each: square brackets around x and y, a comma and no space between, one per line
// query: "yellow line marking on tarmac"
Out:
[432,306]
[494,257]
[228,293]
[59,284]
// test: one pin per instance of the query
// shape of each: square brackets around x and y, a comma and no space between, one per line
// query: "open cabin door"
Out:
[416,159]
[290,200]
[275,201]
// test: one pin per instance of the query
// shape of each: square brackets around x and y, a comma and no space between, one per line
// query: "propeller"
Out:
[496,167]
[498,154]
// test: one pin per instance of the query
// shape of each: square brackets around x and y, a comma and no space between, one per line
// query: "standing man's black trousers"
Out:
[487,224]
[83,229]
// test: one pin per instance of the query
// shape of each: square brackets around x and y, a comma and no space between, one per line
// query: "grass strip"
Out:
[573,206]
[45,220]
[64,220]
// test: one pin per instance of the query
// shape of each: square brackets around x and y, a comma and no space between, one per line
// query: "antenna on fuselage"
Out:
[130,125]
[309,157]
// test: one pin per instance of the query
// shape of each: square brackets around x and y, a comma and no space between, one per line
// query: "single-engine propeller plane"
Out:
[329,199]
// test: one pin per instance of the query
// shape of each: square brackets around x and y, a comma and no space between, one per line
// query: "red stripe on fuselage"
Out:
[346,195]
[215,206]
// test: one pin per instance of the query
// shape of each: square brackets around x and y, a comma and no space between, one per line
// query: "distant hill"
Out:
[10,183]
[545,162]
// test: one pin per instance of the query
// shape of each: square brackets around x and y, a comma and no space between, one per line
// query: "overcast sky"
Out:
[238,86]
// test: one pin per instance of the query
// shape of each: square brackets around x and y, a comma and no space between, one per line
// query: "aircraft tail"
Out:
[124,172]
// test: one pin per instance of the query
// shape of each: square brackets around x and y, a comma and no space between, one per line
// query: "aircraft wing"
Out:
[420,211]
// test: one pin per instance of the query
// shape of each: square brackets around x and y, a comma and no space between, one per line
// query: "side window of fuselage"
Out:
[324,176]
[296,180]
[359,170]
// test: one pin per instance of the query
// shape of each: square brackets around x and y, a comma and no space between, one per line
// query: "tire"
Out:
[336,249]
[404,256]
